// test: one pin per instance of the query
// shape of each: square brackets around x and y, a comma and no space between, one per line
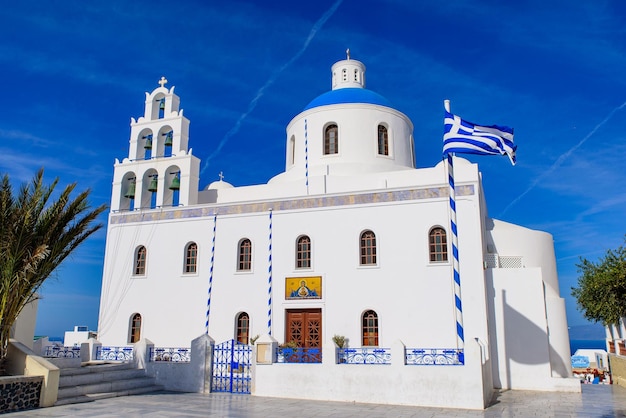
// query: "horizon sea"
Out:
[586,344]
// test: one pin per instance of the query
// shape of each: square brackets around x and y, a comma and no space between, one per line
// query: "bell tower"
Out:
[160,170]
[348,73]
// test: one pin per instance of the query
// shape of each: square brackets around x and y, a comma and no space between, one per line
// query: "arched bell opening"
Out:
[145,144]
[171,193]
[150,188]
[128,192]
[166,141]
[158,106]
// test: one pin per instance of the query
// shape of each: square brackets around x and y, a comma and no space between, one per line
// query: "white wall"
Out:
[403,288]
[76,338]
[413,298]
[524,357]
[536,247]
[23,329]
[358,141]
[434,386]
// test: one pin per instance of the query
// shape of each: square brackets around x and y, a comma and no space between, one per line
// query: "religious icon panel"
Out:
[303,288]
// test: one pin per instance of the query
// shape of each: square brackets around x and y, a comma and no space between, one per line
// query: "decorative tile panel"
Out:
[292,204]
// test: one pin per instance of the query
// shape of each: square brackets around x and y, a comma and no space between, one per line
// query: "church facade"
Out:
[351,242]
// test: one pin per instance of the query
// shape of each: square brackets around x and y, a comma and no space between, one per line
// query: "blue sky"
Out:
[75,72]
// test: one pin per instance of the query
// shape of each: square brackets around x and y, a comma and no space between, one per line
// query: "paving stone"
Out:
[595,401]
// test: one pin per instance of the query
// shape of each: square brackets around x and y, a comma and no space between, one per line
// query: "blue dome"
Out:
[348,95]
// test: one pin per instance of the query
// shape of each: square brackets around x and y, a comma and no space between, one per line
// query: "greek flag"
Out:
[464,137]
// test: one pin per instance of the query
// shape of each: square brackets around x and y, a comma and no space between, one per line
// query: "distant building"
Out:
[616,349]
[80,335]
[351,240]
[616,337]
[590,358]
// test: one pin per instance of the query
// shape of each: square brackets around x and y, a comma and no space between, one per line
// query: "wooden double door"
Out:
[304,327]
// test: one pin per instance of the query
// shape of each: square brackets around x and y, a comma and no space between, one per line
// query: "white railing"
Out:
[364,355]
[494,261]
[114,353]
[173,354]
[56,351]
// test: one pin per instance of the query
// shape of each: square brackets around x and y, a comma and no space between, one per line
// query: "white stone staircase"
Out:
[99,381]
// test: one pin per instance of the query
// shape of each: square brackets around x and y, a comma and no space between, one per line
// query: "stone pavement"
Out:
[595,401]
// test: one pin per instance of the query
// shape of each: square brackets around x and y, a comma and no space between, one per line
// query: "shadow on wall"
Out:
[526,343]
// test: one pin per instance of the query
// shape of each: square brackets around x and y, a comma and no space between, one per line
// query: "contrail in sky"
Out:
[252,105]
[562,159]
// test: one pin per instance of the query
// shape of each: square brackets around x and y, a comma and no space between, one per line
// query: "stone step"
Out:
[95,368]
[102,380]
[99,376]
[103,395]
[105,386]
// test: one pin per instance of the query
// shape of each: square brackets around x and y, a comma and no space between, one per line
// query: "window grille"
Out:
[191,258]
[140,261]
[135,328]
[368,248]
[331,140]
[245,255]
[243,328]
[383,140]
[438,244]
[370,329]
[303,252]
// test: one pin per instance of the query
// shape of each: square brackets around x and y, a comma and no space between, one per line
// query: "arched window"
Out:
[243,328]
[303,252]
[438,245]
[191,258]
[140,261]
[135,329]
[245,255]
[368,248]
[292,150]
[370,329]
[331,140]
[383,140]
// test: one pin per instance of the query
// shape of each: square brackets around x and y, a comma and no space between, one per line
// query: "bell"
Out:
[148,144]
[153,184]
[130,192]
[175,183]
[168,138]
[162,104]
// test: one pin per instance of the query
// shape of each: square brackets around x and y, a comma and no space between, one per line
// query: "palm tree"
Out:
[37,233]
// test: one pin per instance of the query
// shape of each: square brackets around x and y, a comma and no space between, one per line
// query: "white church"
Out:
[351,242]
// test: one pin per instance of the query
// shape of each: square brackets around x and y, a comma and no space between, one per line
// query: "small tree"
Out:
[36,234]
[601,291]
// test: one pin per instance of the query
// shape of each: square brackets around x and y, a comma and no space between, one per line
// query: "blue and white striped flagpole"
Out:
[460,338]
[208,302]
[306,156]
[269,282]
